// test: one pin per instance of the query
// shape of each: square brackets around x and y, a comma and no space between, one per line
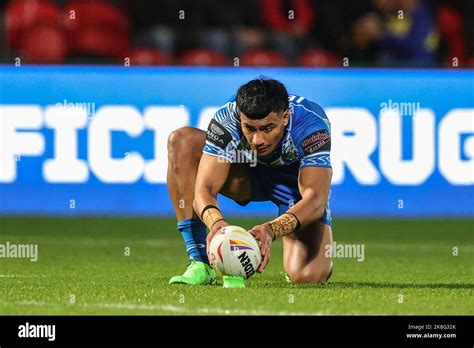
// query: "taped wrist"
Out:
[285,224]
[210,215]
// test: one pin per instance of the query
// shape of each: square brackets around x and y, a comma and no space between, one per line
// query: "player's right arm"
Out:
[211,176]
[221,140]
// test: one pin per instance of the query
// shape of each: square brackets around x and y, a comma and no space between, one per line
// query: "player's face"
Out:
[265,134]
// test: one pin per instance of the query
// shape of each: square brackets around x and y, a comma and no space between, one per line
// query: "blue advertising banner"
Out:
[92,140]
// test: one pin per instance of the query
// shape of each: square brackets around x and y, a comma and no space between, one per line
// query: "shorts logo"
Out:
[218,135]
[318,141]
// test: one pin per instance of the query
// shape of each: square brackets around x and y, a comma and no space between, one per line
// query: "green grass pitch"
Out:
[409,268]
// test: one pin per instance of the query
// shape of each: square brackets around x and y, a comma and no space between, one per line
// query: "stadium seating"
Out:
[35,51]
[470,62]
[148,56]
[203,57]
[22,16]
[101,31]
[452,33]
[263,58]
[97,28]
[319,58]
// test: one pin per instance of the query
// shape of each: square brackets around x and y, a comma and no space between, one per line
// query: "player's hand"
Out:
[217,226]
[264,235]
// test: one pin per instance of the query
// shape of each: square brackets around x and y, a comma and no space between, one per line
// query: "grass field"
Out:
[82,269]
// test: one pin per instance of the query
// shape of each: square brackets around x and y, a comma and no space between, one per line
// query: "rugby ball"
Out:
[234,251]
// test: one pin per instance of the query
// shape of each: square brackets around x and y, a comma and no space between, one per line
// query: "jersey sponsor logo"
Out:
[318,141]
[215,129]
[218,135]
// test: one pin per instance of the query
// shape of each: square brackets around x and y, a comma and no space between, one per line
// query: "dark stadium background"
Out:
[211,32]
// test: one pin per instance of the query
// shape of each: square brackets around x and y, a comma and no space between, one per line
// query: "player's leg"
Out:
[184,153]
[305,259]
[304,252]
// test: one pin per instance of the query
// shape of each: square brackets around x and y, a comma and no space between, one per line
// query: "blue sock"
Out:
[194,234]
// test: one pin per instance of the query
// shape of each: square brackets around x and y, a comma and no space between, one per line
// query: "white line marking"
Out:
[93,242]
[419,247]
[171,308]
[167,308]
[22,276]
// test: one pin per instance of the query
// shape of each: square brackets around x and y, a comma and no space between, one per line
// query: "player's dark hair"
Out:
[259,97]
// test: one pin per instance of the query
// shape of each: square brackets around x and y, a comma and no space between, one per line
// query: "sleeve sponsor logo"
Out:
[318,141]
[216,129]
[218,135]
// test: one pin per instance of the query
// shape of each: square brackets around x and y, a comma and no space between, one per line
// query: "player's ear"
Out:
[286,117]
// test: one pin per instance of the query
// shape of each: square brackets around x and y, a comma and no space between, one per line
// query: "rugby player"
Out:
[290,136]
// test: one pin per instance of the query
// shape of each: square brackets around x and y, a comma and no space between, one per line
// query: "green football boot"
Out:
[197,273]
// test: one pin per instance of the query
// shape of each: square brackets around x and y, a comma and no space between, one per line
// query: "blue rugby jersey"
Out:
[307,137]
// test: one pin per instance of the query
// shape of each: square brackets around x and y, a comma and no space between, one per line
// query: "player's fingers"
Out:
[254,234]
[265,256]
[264,262]
[263,246]
[209,236]
[258,237]
[208,239]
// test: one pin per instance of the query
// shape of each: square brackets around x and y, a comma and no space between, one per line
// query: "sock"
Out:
[194,233]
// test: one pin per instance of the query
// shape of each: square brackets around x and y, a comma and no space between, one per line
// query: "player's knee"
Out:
[319,276]
[306,279]
[180,142]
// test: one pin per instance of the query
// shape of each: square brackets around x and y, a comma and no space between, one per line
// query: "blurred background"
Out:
[414,33]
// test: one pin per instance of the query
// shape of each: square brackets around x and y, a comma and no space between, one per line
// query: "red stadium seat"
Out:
[148,56]
[97,28]
[470,62]
[203,57]
[319,58]
[35,50]
[263,58]
[22,15]
[451,29]
[101,42]
[96,12]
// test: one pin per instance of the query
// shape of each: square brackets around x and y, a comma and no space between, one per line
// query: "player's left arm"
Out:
[313,184]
